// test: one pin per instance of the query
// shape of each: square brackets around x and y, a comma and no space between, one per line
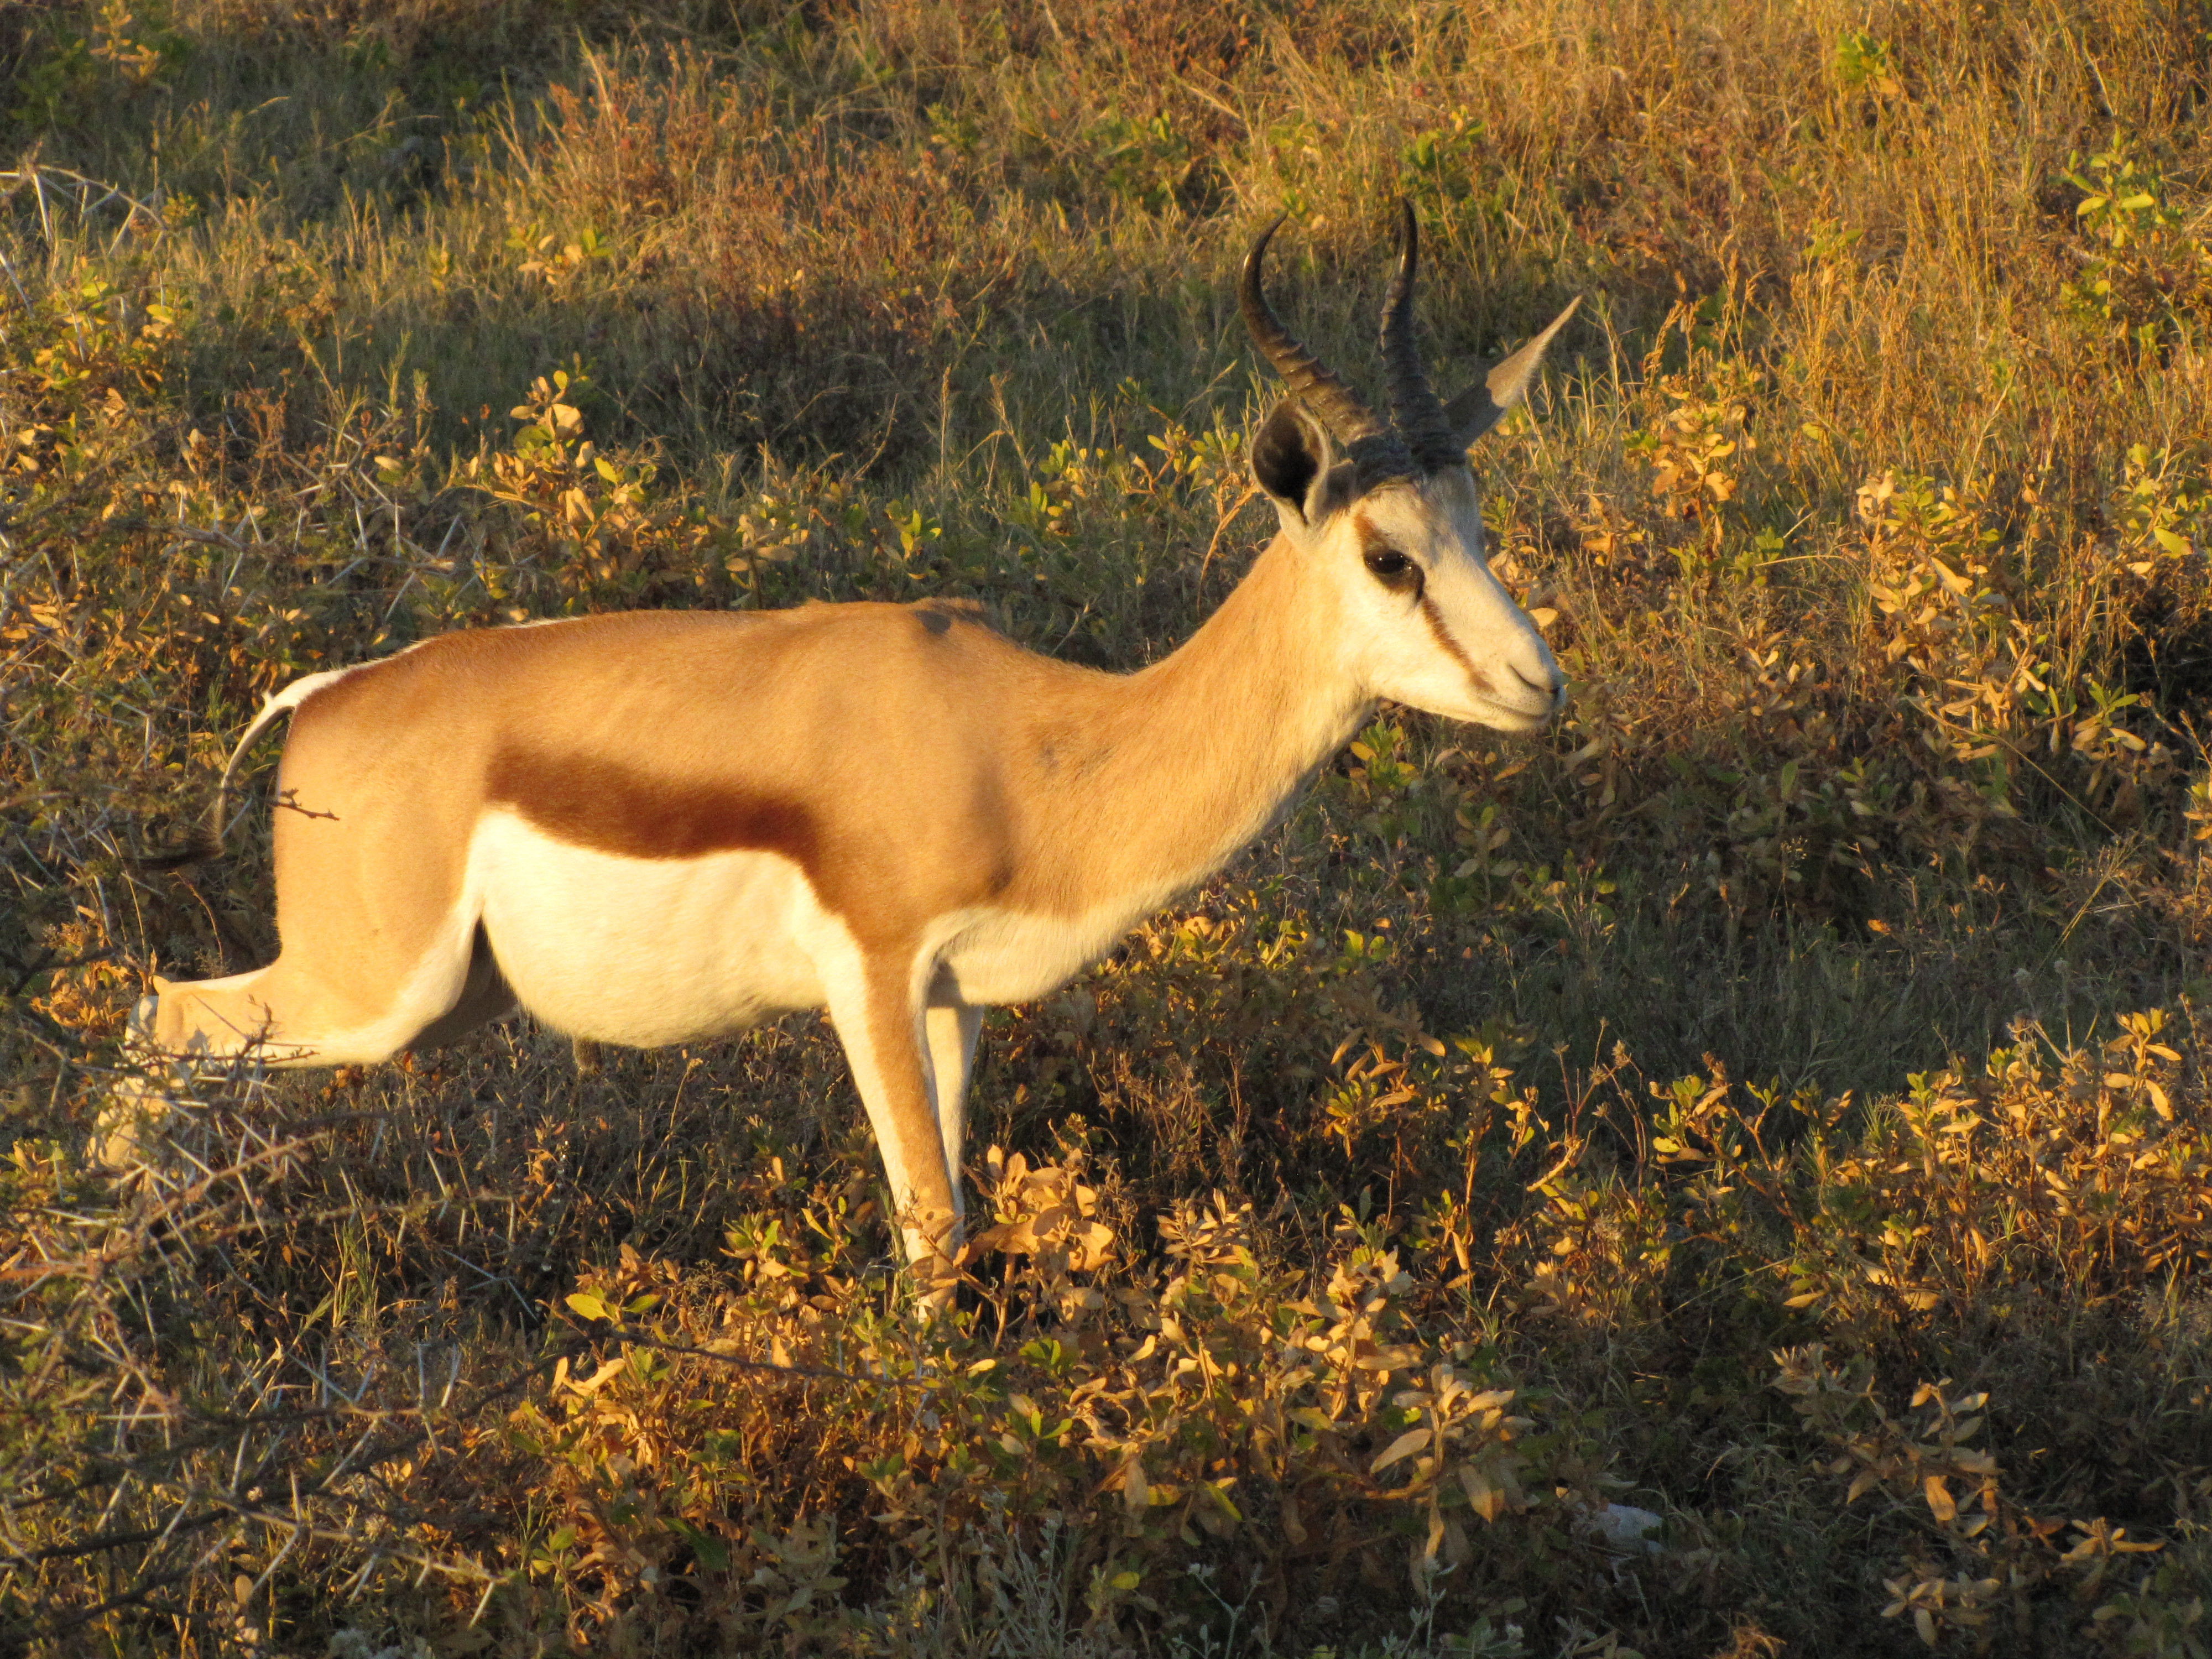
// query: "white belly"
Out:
[646,952]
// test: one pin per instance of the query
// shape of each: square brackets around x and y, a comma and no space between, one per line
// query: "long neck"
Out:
[1185,762]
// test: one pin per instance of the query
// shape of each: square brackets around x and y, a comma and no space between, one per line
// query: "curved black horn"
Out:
[1338,407]
[1415,410]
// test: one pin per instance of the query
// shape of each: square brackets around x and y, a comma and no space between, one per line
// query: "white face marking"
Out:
[1450,640]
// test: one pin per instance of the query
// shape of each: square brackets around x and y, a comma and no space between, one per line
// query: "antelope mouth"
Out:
[1531,711]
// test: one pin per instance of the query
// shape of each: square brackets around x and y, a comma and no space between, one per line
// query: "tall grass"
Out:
[1688,1112]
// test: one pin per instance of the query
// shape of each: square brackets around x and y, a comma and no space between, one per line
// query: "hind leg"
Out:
[302,1009]
[484,997]
[286,1014]
[279,1013]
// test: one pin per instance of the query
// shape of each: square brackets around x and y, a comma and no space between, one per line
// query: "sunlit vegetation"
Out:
[1732,1175]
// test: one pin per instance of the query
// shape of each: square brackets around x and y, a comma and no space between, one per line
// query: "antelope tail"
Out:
[205,843]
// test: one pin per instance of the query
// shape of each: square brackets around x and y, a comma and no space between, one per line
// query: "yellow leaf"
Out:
[1939,1499]
[1089,1247]
[1487,1500]
[1404,1446]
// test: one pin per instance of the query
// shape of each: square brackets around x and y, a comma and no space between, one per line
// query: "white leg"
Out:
[953,1030]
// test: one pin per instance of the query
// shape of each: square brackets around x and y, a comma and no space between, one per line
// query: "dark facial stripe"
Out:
[1450,646]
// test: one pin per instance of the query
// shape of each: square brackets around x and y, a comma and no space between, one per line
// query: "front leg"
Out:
[952,1027]
[877,1012]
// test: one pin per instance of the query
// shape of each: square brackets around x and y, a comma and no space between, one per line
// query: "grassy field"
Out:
[1776,1099]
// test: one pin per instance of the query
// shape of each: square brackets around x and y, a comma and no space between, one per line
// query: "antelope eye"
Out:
[1392,568]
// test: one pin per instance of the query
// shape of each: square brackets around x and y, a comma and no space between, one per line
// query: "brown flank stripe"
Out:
[608,807]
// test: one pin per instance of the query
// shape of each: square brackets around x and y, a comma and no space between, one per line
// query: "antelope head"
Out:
[1387,519]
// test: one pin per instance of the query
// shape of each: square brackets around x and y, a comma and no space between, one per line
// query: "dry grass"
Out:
[1694,1111]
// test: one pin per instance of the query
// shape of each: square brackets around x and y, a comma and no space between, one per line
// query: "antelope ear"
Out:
[1294,460]
[1476,409]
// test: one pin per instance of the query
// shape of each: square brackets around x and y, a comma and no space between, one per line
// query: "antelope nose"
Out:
[1551,684]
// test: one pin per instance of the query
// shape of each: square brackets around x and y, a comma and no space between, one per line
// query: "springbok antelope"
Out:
[660,828]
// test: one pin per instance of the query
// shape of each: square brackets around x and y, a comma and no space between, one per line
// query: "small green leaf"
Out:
[713,1554]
